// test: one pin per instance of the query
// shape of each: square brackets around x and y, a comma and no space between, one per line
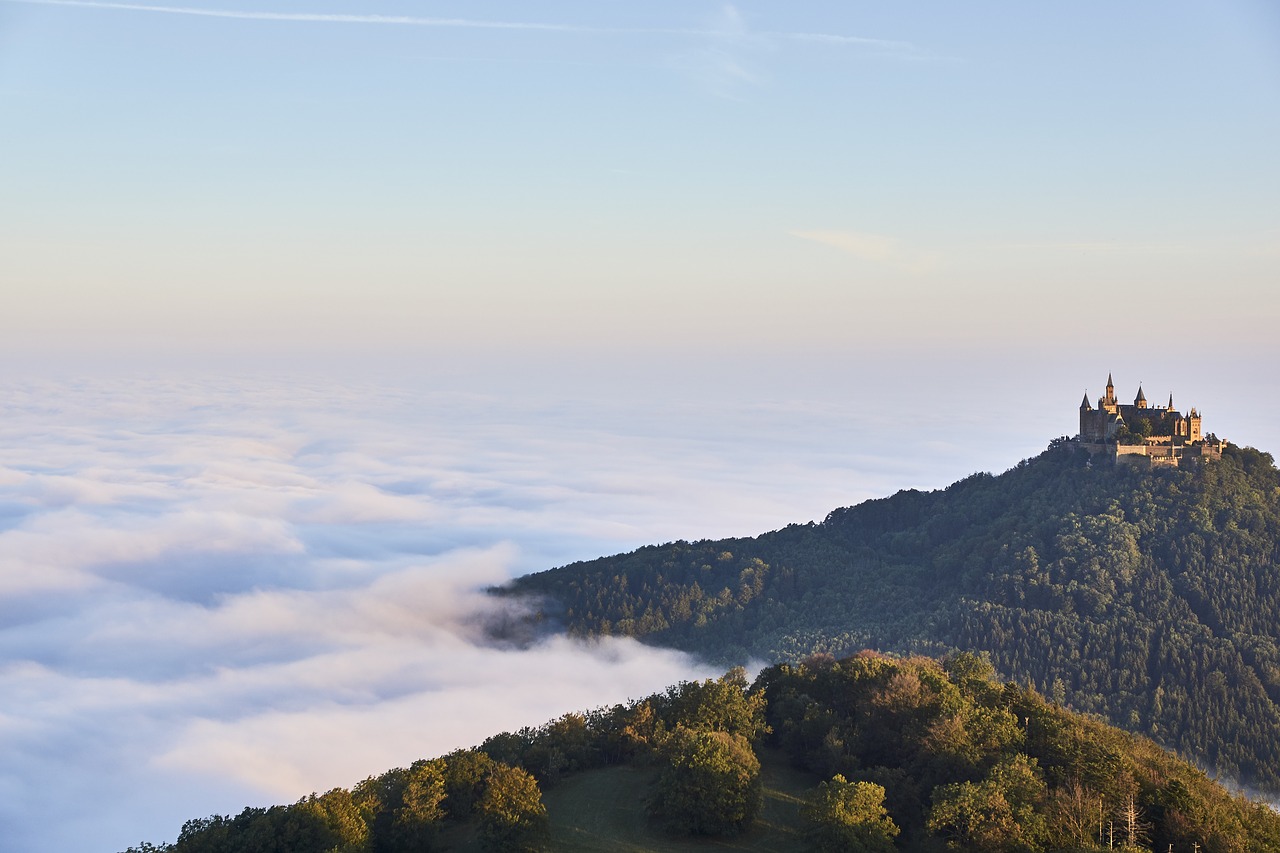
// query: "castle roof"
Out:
[1110,421]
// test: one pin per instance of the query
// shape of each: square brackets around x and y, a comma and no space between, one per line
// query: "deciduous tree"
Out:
[848,817]
[512,816]
[710,784]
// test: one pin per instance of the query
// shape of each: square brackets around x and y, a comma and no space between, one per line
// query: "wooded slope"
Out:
[868,753]
[1150,598]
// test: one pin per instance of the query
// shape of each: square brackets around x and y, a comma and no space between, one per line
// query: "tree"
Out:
[377,798]
[204,835]
[328,823]
[464,780]
[710,785]
[972,816]
[1075,813]
[417,820]
[512,816]
[848,817]
[724,704]
[1133,823]
[999,814]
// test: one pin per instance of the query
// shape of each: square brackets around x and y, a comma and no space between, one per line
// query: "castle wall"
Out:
[1132,450]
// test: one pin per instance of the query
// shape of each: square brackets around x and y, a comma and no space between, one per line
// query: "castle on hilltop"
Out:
[1141,434]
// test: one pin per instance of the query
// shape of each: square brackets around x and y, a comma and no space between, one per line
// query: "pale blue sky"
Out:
[605,175]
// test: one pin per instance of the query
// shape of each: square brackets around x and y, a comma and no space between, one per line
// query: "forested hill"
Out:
[1151,598]
[870,753]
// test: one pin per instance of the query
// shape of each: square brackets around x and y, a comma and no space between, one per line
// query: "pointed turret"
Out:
[1141,400]
[1171,402]
[1084,404]
[1193,423]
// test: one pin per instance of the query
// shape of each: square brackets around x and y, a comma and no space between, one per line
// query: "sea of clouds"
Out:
[222,590]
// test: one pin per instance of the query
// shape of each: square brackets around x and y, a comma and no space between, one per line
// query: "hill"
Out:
[868,753]
[1151,598]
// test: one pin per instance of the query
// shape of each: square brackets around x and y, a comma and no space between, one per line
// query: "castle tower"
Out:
[1109,402]
[1193,421]
[1140,401]
[1087,418]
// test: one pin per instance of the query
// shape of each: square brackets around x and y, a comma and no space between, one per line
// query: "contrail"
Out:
[456,23]
[244,15]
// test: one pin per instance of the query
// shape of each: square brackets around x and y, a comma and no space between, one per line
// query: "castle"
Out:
[1141,434]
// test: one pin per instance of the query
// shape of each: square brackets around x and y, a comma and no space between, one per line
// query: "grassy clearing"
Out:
[603,810]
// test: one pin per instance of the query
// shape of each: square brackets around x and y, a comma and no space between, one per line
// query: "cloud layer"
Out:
[727,24]
[232,591]
[221,594]
[237,590]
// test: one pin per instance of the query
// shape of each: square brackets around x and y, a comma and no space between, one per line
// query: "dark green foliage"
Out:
[512,817]
[699,733]
[415,824]
[978,766]
[328,823]
[725,704]
[325,823]
[709,784]
[401,811]
[939,750]
[1001,813]
[848,817]
[1151,598]
[605,736]
[464,779]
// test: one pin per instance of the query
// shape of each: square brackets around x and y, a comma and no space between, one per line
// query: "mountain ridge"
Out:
[1147,597]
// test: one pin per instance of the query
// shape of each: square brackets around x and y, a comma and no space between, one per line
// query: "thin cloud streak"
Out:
[900,47]
[877,248]
[465,23]
[313,17]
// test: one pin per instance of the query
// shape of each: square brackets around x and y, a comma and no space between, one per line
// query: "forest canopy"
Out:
[1151,598]
[907,754]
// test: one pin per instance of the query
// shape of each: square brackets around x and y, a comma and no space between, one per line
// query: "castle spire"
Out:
[1171,402]
[1141,400]
[1084,404]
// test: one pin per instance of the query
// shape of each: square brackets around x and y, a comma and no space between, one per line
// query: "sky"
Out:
[373,177]
[320,316]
